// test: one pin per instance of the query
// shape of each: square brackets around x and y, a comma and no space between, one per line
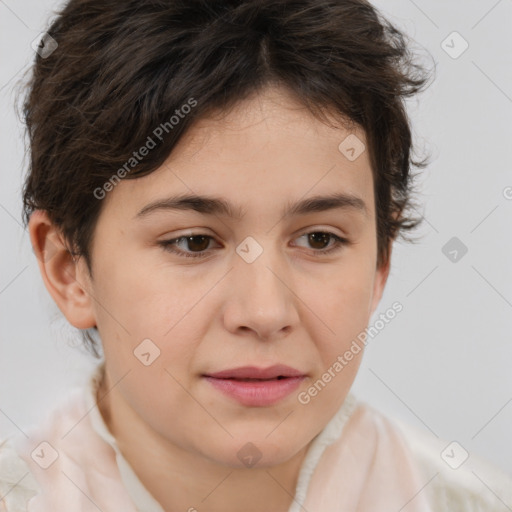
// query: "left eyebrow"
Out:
[323,203]
[209,205]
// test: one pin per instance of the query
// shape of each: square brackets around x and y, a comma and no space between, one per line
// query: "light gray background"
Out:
[443,363]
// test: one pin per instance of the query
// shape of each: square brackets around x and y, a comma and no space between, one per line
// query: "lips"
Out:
[253,373]
[256,387]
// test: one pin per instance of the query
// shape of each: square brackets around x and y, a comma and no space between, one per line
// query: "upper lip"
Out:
[252,372]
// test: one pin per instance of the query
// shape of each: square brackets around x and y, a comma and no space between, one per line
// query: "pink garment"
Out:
[367,469]
[85,476]
[358,463]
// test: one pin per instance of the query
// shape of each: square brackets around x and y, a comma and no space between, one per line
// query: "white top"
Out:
[360,461]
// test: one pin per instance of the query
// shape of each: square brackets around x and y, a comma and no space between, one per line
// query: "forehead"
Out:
[266,153]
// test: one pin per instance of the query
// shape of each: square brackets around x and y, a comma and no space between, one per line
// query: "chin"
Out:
[255,452]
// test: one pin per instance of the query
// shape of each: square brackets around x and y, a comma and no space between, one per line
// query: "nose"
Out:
[260,299]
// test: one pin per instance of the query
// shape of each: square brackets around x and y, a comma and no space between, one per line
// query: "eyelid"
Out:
[320,229]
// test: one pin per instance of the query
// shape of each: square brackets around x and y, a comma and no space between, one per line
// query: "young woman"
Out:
[214,189]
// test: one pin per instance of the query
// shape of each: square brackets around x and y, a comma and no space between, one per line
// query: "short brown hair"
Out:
[123,67]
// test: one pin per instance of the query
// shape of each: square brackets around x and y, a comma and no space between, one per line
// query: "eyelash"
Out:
[168,245]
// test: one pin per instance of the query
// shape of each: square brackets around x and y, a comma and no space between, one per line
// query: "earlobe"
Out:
[63,275]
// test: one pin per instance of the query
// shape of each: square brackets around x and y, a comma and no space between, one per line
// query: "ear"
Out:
[381,277]
[66,278]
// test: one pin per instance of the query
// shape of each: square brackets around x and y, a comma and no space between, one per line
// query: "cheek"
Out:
[343,306]
[346,295]
[158,394]
[146,299]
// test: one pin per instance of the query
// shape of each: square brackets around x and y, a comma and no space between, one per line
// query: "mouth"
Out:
[256,387]
[280,377]
[278,371]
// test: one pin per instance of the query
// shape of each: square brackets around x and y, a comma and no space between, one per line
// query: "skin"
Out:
[292,305]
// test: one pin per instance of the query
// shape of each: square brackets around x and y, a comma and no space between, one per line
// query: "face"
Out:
[184,292]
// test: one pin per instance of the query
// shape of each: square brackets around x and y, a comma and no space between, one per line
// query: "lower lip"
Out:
[257,393]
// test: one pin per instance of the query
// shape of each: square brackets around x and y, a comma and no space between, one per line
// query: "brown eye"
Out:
[319,240]
[195,246]
[197,242]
